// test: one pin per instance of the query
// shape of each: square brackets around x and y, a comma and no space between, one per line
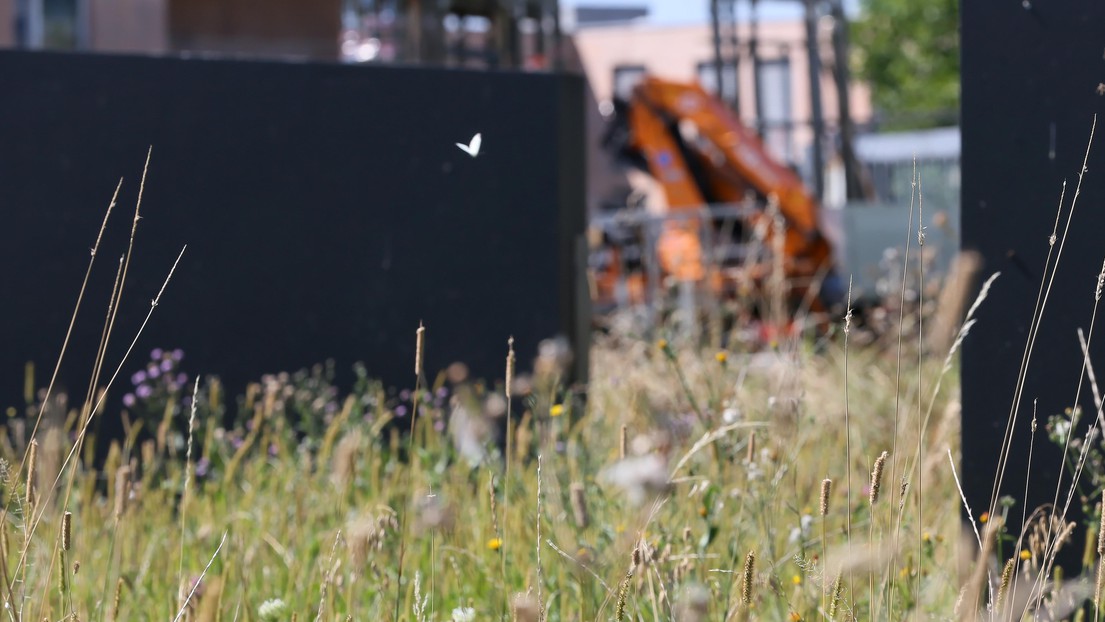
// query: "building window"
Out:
[625,78]
[707,77]
[773,87]
[49,24]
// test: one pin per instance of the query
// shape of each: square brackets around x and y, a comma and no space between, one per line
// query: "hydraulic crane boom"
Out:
[699,153]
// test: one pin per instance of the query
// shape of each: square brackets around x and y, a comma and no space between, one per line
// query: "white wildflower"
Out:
[272,610]
[464,614]
[640,476]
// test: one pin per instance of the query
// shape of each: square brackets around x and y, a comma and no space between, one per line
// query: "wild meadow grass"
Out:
[691,485]
[809,478]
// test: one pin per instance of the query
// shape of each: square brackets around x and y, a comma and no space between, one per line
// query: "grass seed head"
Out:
[826,492]
[32,472]
[1101,527]
[419,344]
[876,476]
[66,531]
[579,505]
[122,489]
[749,573]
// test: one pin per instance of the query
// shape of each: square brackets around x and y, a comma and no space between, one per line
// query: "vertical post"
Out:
[558,61]
[734,43]
[754,56]
[715,20]
[813,51]
[853,188]
[414,31]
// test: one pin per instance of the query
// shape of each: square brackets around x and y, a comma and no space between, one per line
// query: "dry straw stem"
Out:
[1046,282]
[192,593]
[977,582]
[537,519]
[96,408]
[187,476]
[69,330]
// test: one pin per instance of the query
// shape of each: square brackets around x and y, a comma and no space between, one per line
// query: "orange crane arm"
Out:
[730,158]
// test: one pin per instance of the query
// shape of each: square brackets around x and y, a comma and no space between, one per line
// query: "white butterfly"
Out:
[472,148]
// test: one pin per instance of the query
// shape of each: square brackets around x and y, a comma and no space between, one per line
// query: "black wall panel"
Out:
[1030,92]
[325,208]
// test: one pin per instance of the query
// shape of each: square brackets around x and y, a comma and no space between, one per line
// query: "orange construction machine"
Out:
[701,156]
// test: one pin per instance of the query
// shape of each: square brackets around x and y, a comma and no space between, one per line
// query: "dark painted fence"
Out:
[1030,90]
[325,208]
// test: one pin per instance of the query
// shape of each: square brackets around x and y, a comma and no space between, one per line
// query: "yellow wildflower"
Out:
[985,516]
[495,544]
[1025,555]
[662,344]
[796,579]
[556,410]
[721,357]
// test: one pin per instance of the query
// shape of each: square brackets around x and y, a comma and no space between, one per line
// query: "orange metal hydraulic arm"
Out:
[733,157]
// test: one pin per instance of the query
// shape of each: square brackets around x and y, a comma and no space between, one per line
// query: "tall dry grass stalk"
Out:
[623,588]
[847,426]
[537,520]
[823,511]
[509,456]
[920,379]
[405,491]
[1100,559]
[894,467]
[1046,282]
[187,477]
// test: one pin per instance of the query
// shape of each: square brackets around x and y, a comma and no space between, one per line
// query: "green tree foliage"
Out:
[908,52]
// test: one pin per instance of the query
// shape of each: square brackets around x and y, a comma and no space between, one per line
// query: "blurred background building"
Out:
[784,67]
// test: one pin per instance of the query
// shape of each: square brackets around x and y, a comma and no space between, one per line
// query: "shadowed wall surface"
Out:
[1030,92]
[325,208]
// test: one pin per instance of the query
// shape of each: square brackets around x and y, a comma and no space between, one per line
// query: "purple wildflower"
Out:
[138,378]
[128,400]
[143,391]
[177,354]
[400,411]
[166,366]
[154,372]
[156,353]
